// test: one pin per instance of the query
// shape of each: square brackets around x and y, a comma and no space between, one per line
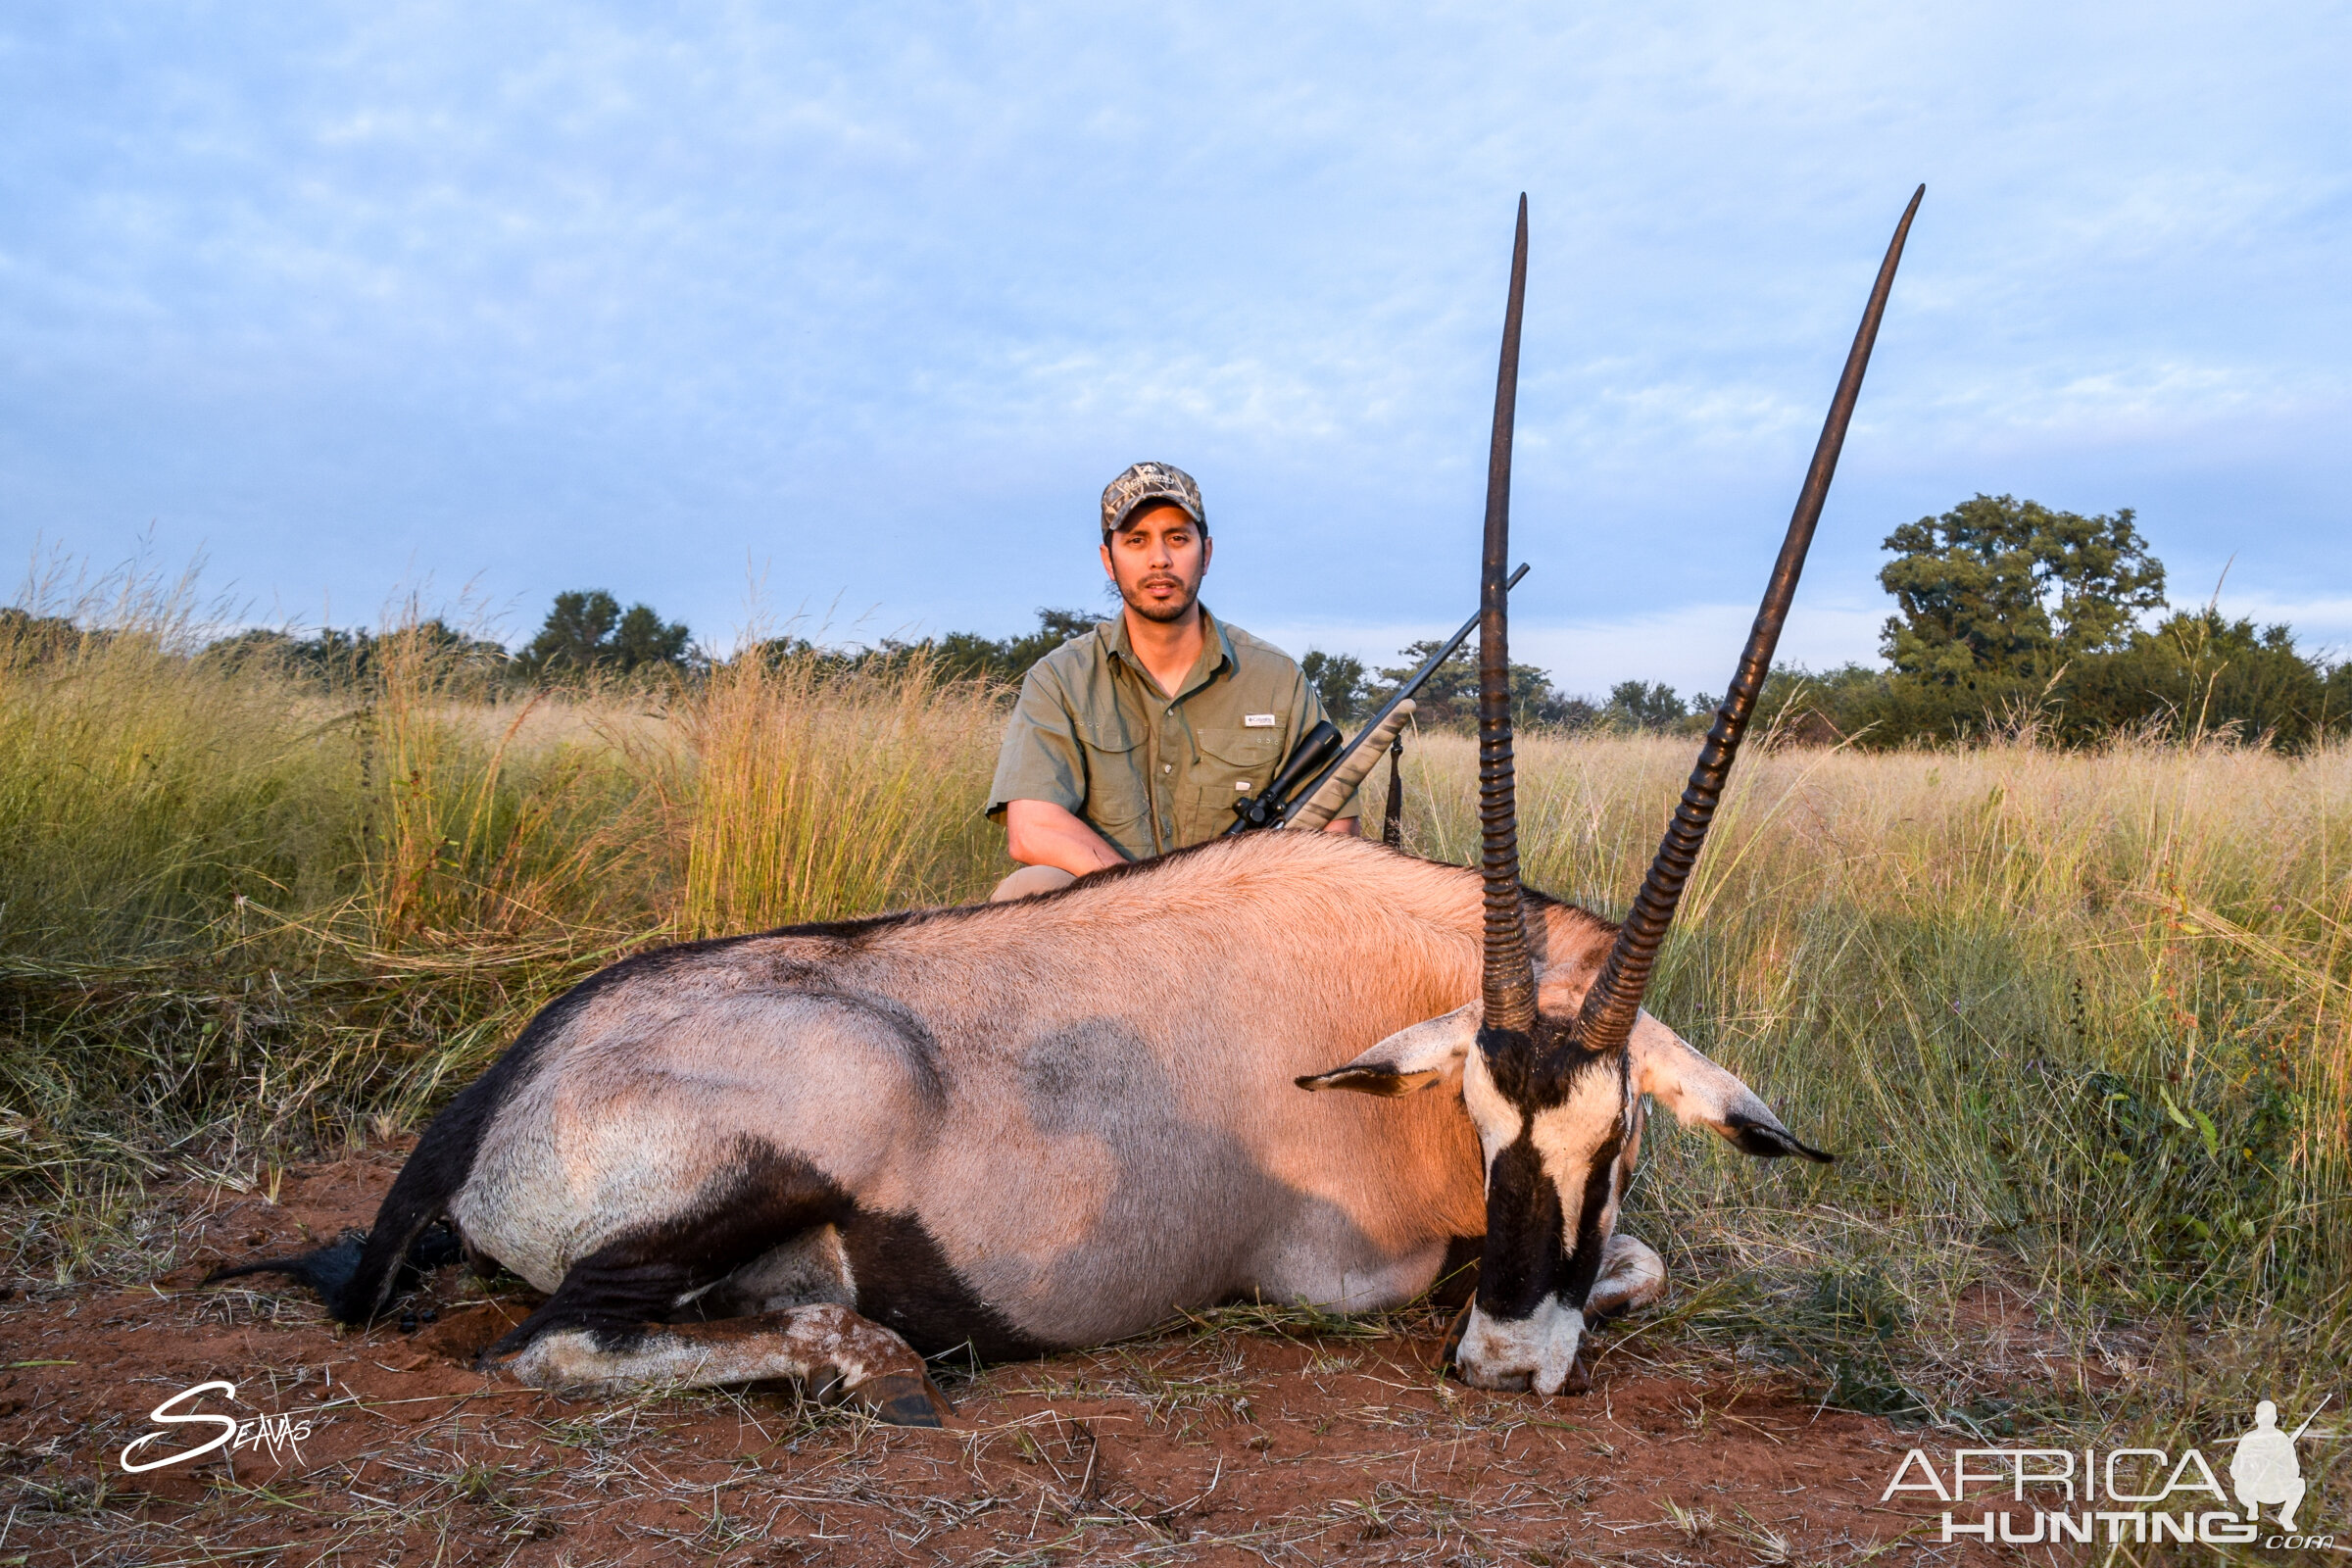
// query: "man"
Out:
[1139,737]
[2265,1468]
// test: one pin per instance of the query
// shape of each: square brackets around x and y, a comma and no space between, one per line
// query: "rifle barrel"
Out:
[1429,668]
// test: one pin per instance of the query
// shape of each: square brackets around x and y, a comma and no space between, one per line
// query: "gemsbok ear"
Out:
[1664,1066]
[1408,1060]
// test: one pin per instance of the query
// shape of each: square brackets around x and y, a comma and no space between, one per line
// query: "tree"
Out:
[955,655]
[1338,679]
[968,656]
[588,631]
[1635,704]
[2200,674]
[30,639]
[1998,586]
[641,640]
[333,657]
[1450,696]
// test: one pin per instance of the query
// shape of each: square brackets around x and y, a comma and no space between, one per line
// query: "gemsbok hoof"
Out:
[902,1400]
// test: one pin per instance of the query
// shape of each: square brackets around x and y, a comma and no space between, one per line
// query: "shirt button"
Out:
[1167,768]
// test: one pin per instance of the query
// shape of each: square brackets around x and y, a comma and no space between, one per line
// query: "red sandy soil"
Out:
[1206,1444]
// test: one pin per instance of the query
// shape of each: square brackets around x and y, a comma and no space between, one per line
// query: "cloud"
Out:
[588,294]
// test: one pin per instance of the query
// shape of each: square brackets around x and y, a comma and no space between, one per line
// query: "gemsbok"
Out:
[827,1152]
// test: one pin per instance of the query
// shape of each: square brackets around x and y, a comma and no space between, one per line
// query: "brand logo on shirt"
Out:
[1259,720]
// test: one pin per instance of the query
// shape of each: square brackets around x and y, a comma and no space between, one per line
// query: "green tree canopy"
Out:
[955,655]
[1998,586]
[1450,696]
[333,655]
[2199,673]
[28,638]
[2196,674]
[587,631]
[968,656]
[1642,705]
[1337,680]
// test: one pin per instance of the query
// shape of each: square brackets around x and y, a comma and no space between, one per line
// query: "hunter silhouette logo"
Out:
[2264,1472]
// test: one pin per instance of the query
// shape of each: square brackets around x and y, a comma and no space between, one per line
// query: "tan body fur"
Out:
[1085,1098]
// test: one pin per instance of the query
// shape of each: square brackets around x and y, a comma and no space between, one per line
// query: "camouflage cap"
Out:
[1147,482]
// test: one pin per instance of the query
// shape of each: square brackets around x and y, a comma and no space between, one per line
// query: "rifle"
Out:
[1265,808]
[1318,759]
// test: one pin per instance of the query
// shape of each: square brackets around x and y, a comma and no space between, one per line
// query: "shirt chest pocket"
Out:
[1233,756]
[1115,787]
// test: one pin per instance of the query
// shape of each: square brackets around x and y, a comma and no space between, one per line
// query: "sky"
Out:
[775,316]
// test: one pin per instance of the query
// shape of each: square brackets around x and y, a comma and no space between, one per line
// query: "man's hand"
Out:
[1350,826]
[1041,833]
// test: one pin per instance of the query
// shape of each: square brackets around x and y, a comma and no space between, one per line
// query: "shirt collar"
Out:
[1216,650]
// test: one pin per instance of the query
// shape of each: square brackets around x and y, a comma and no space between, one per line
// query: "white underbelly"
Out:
[1310,1269]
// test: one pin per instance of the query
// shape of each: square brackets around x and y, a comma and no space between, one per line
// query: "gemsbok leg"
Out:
[1632,1276]
[730,1292]
[833,1352]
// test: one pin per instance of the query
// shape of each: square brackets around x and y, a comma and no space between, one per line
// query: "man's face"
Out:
[1157,558]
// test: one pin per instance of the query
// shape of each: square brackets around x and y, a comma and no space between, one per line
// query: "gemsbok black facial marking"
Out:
[1519,1266]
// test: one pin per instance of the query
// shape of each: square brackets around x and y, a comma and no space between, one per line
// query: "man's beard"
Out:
[1164,613]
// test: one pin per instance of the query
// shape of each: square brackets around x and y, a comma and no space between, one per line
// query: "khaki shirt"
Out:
[1093,733]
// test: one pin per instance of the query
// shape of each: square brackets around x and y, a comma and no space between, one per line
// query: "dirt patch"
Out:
[1215,1442]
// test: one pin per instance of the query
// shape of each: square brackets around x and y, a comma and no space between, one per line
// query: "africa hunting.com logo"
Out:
[2149,1497]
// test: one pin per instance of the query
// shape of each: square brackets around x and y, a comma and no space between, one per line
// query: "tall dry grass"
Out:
[241,915]
[819,797]
[2075,1022]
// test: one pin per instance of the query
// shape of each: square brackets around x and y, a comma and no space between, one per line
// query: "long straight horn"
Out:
[1510,979]
[1607,1016]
